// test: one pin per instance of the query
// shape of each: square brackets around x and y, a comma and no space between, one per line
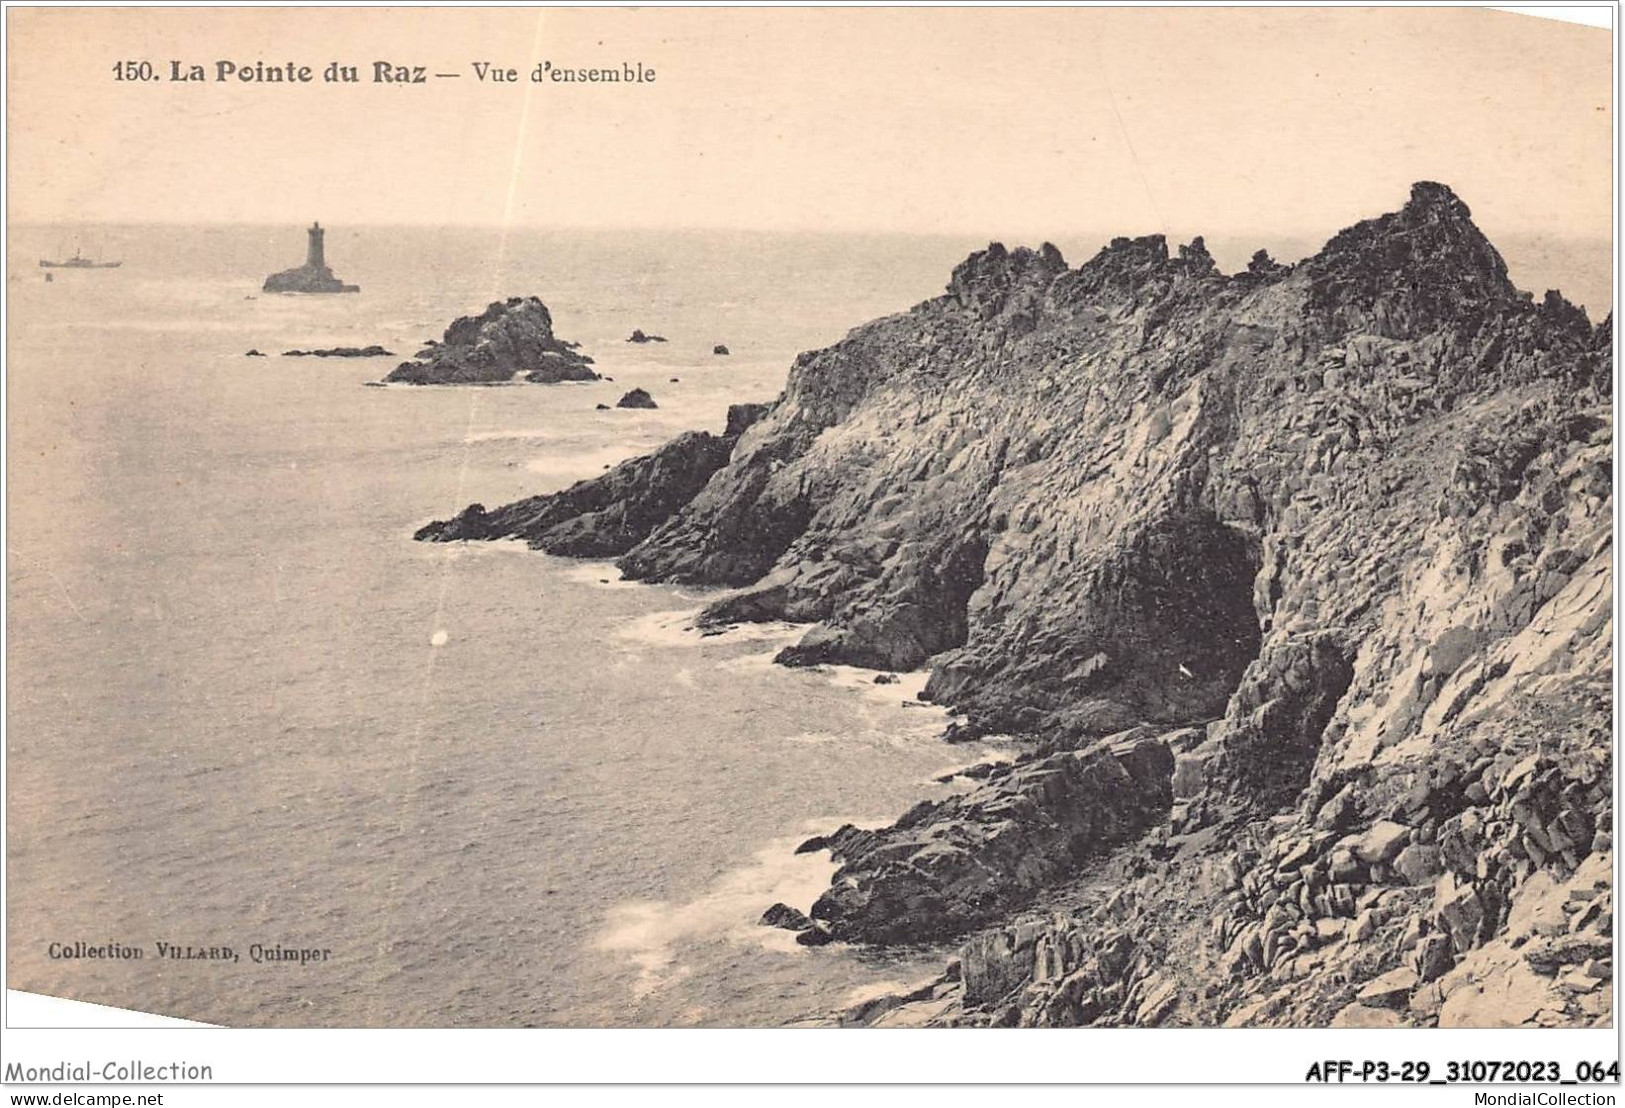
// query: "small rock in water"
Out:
[373,351]
[720,350]
[812,845]
[602,408]
[885,678]
[639,336]
[674,380]
[254,354]
[782,915]
[637,398]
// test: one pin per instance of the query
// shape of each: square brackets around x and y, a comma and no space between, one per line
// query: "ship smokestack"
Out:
[313,254]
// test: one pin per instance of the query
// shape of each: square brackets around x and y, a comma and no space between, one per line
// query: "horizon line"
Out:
[651,228]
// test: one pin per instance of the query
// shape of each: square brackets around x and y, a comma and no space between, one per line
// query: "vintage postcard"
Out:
[869,518]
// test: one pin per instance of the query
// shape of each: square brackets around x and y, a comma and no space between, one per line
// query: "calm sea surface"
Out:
[500,788]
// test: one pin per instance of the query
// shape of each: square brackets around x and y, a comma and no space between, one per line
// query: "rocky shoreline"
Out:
[1296,582]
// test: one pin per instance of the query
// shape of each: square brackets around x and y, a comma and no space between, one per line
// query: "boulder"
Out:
[1391,990]
[1432,957]
[1418,864]
[1190,776]
[1382,842]
[1460,911]
[741,417]
[1363,1016]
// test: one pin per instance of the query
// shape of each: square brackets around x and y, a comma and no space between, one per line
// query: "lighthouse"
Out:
[313,276]
[313,253]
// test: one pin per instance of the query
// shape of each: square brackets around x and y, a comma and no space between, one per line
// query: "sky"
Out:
[1004,122]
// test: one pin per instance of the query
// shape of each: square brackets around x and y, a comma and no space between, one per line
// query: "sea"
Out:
[486,786]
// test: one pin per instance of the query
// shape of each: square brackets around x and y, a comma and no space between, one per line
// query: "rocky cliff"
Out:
[1297,580]
[512,339]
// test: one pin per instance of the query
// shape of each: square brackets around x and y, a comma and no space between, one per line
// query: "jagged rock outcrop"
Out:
[512,339]
[1339,531]
[607,515]
[948,866]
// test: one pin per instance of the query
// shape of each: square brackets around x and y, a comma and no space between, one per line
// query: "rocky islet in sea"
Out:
[373,351]
[512,340]
[312,277]
[1294,584]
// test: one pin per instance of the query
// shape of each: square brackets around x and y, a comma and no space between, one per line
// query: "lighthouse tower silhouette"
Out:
[313,276]
[313,253]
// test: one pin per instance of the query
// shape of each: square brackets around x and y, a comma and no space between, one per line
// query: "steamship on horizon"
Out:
[78,261]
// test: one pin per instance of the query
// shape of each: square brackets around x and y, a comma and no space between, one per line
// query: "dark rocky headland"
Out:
[1295,582]
[512,339]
